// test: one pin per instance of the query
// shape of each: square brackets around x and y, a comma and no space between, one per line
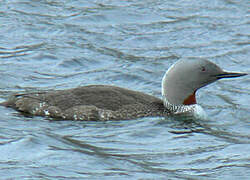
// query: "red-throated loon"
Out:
[105,102]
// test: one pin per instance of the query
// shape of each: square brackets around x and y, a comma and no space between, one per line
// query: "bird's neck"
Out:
[178,108]
[191,99]
[177,93]
[179,101]
[180,97]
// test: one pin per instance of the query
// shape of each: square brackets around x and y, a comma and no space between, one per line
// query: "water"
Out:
[63,44]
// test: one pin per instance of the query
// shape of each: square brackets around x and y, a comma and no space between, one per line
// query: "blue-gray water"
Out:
[59,44]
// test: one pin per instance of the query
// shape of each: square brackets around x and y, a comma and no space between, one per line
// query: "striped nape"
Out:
[176,109]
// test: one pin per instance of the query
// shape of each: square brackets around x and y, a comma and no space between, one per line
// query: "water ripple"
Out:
[19,50]
[64,44]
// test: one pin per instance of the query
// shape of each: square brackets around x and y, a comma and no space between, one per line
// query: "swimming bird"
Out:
[106,102]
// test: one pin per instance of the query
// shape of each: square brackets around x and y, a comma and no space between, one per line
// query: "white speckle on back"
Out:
[42,104]
[46,112]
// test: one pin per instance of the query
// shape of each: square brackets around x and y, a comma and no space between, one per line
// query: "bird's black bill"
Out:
[229,75]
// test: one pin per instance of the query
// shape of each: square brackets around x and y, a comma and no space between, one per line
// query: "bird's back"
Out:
[99,98]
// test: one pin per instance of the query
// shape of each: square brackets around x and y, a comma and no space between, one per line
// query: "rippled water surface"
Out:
[50,44]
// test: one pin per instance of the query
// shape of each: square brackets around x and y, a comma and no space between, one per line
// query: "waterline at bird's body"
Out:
[105,102]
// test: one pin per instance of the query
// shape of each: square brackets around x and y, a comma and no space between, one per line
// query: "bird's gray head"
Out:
[185,77]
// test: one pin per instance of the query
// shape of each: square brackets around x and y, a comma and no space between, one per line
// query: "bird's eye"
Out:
[203,69]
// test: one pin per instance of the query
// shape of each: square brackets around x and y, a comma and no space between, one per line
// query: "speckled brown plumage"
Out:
[94,102]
